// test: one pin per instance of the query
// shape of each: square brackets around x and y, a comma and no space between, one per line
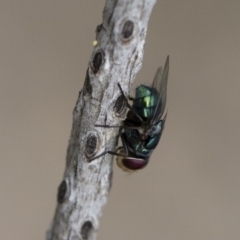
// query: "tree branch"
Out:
[116,58]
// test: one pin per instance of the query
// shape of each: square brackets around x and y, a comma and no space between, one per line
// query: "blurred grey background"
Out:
[190,189]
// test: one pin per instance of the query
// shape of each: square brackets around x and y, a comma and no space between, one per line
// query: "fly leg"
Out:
[125,144]
[125,147]
[128,105]
[116,126]
[107,152]
[108,126]
[131,98]
[115,153]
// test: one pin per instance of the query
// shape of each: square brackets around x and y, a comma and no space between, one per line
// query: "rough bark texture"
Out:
[116,58]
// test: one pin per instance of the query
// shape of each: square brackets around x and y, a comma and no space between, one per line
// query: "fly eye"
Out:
[129,164]
[120,106]
[134,164]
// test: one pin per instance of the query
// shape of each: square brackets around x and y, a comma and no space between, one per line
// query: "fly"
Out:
[143,127]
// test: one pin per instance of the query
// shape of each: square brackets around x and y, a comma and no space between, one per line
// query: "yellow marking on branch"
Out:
[95,43]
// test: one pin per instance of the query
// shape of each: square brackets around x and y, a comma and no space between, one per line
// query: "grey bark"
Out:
[116,58]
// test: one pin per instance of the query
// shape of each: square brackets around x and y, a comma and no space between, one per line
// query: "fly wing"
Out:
[159,87]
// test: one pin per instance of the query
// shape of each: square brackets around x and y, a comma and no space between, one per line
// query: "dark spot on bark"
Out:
[120,106]
[87,85]
[62,190]
[86,228]
[127,29]
[92,168]
[91,145]
[97,61]
[98,28]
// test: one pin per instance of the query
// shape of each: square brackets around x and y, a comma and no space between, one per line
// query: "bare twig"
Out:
[116,58]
